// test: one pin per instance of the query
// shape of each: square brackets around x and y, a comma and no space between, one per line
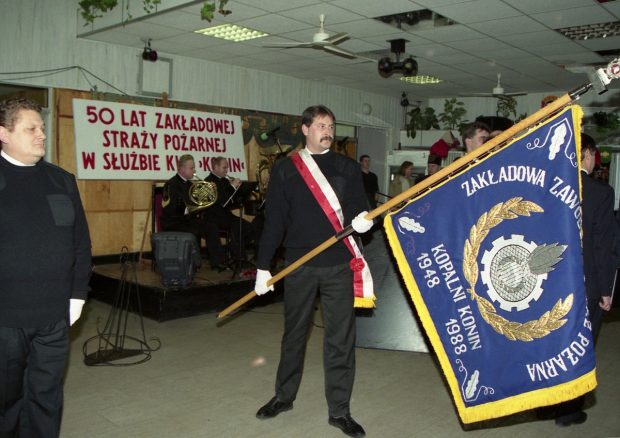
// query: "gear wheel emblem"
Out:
[506,273]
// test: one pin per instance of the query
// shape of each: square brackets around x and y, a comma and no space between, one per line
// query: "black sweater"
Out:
[45,256]
[295,219]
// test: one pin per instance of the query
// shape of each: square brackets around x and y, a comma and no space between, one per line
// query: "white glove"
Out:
[75,309]
[260,286]
[361,224]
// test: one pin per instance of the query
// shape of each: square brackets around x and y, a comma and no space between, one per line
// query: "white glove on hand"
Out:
[75,309]
[360,224]
[260,286]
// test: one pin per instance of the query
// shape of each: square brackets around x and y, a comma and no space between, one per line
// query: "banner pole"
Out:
[417,189]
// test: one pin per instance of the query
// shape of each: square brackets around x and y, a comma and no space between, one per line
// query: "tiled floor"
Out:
[208,380]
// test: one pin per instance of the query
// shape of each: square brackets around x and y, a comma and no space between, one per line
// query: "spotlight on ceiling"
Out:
[149,54]
[387,66]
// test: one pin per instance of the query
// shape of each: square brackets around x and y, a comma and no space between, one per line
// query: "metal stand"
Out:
[240,261]
[112,339]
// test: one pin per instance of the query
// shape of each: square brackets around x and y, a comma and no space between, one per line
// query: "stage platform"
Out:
[211,291]
[392,325]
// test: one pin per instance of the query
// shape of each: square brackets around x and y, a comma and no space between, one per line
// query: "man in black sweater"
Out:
[176,216]
[307,192]
[45,265]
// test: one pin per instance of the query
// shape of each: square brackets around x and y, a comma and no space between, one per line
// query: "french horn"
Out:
[202,194]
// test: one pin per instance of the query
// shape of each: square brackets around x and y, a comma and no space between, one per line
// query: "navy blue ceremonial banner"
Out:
[492,260]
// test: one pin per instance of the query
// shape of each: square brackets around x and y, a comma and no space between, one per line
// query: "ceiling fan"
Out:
[322,41]
[498,91]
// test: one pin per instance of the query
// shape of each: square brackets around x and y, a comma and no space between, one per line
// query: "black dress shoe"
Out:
[348,425]
[568,420]
[273,408]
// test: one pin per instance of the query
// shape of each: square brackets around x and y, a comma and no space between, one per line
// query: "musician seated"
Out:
[176,216]
[228,196]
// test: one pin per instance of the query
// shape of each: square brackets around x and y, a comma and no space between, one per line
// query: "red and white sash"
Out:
[327,199]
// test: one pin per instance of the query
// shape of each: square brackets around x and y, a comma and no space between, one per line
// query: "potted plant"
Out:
[506,106]
[606,122]
[92,9]
[421,119]
[453,113]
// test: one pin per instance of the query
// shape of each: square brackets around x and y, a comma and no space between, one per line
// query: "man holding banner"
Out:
[312,195]
[496,273]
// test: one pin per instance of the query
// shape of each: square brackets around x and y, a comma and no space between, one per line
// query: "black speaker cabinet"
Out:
[177,256]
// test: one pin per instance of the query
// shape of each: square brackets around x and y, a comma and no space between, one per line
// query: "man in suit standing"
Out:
[371,183]
[598,237]
[599,230]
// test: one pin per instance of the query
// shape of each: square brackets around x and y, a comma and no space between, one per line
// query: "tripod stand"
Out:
[113,343]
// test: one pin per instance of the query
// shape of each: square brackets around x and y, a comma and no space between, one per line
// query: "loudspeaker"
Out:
[177,256]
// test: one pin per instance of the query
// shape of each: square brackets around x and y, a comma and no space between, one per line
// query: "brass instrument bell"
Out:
[202,194]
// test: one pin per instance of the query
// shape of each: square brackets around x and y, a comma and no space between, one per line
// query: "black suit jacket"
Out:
[175,200]
[217,213]
[598,236]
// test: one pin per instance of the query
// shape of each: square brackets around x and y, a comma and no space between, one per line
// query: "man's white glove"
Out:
[260,286]
[361,224]
[75,309]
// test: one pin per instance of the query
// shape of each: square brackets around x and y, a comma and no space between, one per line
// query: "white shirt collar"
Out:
[321,153]
[14,161]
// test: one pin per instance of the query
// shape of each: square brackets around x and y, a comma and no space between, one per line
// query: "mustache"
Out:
[327,137]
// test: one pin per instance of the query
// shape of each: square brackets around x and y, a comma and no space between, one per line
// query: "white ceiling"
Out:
[513,37]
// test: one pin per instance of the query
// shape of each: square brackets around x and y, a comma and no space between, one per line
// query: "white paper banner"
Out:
[137,142]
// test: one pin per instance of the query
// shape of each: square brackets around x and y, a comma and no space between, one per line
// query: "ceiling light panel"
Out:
[591,31]
[421,80]
[231,32]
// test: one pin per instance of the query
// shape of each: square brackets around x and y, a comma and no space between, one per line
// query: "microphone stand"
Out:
[239,259]
[240,254]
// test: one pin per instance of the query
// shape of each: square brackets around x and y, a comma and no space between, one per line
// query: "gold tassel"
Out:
[364,303]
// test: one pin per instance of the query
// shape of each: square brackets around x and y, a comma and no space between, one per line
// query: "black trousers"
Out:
[32,364]
[241,232]
[335,284]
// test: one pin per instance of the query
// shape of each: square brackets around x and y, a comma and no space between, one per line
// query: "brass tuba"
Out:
[202,194]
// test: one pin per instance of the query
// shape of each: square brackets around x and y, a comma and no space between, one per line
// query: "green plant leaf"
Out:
[207,11]
[506,106]
[91,9]
[150,5]
[453,113]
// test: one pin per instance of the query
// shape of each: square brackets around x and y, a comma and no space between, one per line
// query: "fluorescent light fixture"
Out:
[421,79]
[591,31]
[231,32]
